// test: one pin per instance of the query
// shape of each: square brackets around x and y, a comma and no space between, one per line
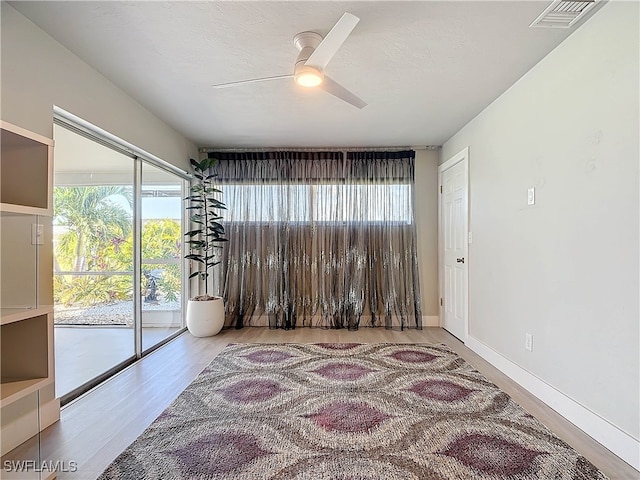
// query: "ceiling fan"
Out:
[315,54]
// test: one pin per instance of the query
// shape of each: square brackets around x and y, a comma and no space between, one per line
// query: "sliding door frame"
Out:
[139,157]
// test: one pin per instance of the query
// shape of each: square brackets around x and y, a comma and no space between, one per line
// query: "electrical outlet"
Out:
[528,341]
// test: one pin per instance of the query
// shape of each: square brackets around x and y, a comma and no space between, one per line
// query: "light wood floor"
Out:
[94,429]
[84,352]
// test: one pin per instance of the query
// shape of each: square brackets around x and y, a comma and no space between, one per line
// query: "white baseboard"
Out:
[619,442]
[430,321]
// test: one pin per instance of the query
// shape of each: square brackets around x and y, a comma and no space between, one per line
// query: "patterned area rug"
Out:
[346,411]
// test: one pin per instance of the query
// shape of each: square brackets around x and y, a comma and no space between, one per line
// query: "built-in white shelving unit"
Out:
[26,292]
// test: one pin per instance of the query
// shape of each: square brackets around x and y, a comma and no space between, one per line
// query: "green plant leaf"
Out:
[197,258]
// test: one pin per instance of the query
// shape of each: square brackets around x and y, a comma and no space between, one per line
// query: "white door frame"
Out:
[462,156]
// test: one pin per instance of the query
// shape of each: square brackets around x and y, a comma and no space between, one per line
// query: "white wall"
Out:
[426,214]
[38,73]
[566,269]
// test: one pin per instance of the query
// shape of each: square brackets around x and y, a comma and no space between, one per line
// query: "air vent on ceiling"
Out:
[563,13]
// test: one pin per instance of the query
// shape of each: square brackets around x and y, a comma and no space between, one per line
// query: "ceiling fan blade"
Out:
[337,90]
[322,55]
[253,80]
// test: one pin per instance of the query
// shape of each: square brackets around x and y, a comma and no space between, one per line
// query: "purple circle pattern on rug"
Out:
[492,455]
[440,390]
[348,417]
[412,356]
[268,356]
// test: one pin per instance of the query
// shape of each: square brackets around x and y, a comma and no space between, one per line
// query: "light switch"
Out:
[531,196]
[37,233]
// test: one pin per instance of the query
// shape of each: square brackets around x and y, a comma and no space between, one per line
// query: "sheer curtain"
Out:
[322,239]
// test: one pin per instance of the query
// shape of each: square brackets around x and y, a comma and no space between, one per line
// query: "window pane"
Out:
[320,203]
[93,259]
[161,289]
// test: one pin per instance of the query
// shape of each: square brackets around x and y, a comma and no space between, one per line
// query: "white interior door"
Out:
[454,244]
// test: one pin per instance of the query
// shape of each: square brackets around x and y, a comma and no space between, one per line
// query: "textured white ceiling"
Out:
[425,68]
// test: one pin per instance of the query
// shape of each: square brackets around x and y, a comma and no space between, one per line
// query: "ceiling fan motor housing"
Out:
[307,40]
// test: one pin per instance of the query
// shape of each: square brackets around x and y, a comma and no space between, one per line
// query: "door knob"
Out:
[460,260]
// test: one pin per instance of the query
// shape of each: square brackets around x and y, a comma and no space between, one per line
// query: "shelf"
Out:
[11,391]
[8,209]
[27,168]
[26,363]
[10,127]
[10,315]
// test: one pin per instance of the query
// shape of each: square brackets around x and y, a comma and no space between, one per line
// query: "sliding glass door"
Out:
[118,269]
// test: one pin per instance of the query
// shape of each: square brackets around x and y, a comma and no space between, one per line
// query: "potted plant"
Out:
[205,313]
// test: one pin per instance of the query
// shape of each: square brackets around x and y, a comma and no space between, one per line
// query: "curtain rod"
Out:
[316,149]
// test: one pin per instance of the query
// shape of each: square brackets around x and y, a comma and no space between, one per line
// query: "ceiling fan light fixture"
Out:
[315,52]
[307,76]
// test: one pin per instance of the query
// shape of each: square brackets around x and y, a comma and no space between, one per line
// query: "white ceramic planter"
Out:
[205,318]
